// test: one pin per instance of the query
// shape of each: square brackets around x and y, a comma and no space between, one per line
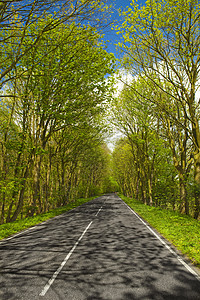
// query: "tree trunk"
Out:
[150,192]
[197,184]
[36,187]
[21,197]
[183,196]
[47,185]
[3,209]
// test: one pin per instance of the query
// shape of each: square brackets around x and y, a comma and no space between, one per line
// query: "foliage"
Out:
[52,113]
[161,51]
[18,16]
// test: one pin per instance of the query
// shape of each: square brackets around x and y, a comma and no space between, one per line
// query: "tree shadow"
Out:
[118,259]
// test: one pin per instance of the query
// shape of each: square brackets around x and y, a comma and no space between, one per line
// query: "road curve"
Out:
[98,251]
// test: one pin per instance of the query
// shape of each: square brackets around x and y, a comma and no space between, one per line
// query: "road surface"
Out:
[98,251]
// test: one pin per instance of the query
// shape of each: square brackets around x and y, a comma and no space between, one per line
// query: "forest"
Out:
[59,105]
[158,160]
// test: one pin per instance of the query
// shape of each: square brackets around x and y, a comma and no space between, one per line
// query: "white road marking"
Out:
[50,282]
[36,226]
[163,242]
[17,234]
[98,211]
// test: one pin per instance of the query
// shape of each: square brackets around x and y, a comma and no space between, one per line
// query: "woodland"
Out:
[59,106]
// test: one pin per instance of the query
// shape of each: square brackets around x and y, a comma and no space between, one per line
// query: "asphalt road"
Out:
[99,251]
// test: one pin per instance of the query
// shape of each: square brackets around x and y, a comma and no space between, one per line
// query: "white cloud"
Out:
[121,78]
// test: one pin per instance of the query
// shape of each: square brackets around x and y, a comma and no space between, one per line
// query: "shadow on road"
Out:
[117,259]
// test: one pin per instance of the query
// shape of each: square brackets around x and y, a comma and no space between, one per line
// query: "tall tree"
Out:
[162,43]
[16,17]
[134,118]
[125,169]
[61,87]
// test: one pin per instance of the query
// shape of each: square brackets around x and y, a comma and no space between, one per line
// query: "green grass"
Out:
[8,229]
[181,230]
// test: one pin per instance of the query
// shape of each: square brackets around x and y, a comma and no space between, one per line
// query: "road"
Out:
[98,251]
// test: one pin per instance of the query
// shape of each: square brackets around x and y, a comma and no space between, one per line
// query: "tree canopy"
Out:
[160,48]
[55,93]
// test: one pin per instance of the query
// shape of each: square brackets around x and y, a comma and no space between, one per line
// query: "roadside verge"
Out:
[180,230]
[10,229]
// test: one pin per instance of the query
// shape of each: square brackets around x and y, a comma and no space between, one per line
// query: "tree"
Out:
[62,88]
[162,43]
[135,119]
[17,16]
[124,169]
[162,110]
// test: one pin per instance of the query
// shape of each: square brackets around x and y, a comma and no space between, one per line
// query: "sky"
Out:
[111,37]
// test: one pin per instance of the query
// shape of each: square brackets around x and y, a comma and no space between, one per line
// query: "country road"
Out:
[98,251]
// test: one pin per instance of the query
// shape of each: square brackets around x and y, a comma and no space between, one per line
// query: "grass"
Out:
[9,229]
[181,230]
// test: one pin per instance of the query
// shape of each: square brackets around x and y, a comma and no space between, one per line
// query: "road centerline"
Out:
[50,282]
[98,211]
[100,251]
[56,273]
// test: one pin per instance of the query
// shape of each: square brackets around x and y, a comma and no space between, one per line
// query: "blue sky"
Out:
[113,38]
[110,35]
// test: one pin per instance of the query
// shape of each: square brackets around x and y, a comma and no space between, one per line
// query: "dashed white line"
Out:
[33,227]
[98,211]
[50,282]
[163,242]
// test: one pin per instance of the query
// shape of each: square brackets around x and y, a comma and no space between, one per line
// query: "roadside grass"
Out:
[181,230]
[9,229]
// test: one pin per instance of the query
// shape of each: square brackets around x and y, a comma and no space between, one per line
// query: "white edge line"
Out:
[50,282]
[163,242]
[37,225]
[19,233]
